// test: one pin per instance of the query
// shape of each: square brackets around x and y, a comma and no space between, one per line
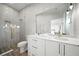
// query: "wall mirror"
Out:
[52,20]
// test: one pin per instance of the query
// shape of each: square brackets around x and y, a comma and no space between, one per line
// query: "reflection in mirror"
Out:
[56,26]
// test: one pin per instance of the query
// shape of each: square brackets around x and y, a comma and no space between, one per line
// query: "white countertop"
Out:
[63,39]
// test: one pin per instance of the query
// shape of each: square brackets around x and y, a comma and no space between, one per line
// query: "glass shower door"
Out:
[9,37]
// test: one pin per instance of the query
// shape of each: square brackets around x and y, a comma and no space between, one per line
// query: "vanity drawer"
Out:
[34,42]
[34,50]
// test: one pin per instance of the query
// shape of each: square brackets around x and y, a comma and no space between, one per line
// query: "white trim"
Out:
[6,52]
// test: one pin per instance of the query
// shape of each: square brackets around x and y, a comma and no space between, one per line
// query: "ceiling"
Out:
[57,10]
[18,6]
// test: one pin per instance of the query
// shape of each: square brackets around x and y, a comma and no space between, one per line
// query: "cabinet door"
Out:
[32,46]
[41,47]
[52,48]
[71,50]
[29,46]
[34,51]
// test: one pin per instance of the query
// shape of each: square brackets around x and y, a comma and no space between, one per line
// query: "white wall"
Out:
[29,15]
[22,30]
[75,21]
[7,13]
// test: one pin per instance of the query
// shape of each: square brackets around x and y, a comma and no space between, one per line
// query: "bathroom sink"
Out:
[44,36]
[63,39]
[59,38]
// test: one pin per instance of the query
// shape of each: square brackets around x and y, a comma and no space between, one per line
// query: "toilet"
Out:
[22,46]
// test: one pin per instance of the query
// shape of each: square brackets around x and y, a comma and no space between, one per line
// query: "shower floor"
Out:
[16,52]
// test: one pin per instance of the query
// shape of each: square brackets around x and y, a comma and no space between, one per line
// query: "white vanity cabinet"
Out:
[36,46]
[71,50]
[32,45]
[41,47]
[45,47]
[52,48]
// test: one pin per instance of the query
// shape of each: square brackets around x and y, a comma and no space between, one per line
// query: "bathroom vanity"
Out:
[45,45]
[56,45]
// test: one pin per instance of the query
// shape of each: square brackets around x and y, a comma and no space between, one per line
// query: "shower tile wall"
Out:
[7,13]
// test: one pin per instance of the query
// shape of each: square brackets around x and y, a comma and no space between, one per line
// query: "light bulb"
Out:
[18,26]
[71,6]
[6,25]
[67,12]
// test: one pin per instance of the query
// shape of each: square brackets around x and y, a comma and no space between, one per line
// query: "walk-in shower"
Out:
[9,36]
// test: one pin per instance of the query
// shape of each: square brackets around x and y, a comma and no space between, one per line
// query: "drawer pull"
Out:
[59,49]
[64,50]
[34,40]
[34,47]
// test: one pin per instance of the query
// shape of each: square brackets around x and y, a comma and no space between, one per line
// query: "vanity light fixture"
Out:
[11,25]
[6,25]
[71,6]
[67,11]
[14,26]
[3,26]
[18,26]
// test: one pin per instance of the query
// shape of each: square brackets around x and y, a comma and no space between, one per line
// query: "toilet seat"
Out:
[22,46]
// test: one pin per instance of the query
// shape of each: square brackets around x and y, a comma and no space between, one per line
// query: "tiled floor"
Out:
[16,52]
